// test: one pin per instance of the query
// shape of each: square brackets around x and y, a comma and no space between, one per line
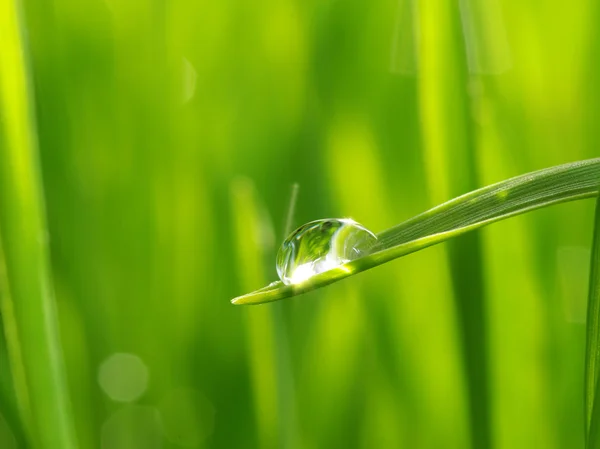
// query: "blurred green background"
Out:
[170,135]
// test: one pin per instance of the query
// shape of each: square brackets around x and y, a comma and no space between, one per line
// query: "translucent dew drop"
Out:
[321,245]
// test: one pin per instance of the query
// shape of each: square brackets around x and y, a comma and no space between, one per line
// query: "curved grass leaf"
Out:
[515,196]
[592,353]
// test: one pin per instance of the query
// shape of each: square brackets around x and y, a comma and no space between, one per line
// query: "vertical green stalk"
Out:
[449,146]
[592,353]
[14,399]
[262,346]
[289,435]
[29,311]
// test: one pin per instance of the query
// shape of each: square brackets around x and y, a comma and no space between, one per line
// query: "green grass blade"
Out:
[260,325]
[25,248]
[592,353]
[468,212]
[522,193]
[447,107]
[14,397]
[466,268]
[8,402]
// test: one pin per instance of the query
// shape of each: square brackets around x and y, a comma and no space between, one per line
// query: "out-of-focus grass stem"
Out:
[260,326]
[449,148]
[592,354]
[29,311]
[14,398]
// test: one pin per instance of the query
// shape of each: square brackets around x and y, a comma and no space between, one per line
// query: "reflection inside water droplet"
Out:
[321,245]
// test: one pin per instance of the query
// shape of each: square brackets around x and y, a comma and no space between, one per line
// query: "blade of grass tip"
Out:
[474,210]
[25,247]
[592,353]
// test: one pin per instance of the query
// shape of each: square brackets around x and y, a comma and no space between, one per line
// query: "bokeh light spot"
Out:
[123,377]
[188,80]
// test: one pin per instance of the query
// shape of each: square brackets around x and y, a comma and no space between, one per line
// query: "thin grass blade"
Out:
[260,325]
[29,311]
[592,353]
[8,402]
[515,196]
[14,396]
[450,150]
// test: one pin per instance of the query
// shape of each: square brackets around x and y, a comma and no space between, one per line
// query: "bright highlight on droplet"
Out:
[123,377]
[320,246]
[302,273]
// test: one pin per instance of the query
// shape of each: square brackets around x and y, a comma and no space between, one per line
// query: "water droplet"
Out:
[321,245]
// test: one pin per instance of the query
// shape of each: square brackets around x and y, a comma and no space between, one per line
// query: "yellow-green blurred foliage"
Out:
[170,135]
